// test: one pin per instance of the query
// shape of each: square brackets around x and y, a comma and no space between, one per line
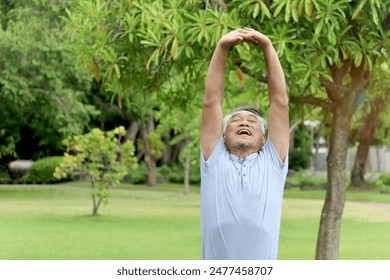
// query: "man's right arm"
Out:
[212,116]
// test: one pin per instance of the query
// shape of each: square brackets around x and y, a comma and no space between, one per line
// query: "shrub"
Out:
[177,175]
[385,178]
[100,155]
[138,175]
[42,170]
[4,176]
[299,156]
[313,181]
[298,159]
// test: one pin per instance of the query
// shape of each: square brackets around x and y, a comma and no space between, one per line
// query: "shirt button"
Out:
[243,174]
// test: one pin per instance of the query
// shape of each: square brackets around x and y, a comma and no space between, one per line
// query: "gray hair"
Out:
[254,111]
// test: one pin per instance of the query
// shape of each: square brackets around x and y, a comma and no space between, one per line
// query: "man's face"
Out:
[243,132]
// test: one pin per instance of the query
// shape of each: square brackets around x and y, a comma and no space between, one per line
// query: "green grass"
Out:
[162,223]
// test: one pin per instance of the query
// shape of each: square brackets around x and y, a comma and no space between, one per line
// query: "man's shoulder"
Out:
[219,152]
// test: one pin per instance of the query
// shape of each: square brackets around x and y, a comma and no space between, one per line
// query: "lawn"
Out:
[162,223]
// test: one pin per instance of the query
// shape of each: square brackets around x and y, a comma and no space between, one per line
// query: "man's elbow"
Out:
[211,102]
[280,102]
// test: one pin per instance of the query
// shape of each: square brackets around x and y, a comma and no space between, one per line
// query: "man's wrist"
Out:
[266,44]
[222,47]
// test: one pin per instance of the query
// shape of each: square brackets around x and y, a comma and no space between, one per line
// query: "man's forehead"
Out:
[244,113]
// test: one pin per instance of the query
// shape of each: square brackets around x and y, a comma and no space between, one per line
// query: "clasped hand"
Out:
[245,34]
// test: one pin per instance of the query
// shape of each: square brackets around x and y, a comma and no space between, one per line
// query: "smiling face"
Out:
[243,133]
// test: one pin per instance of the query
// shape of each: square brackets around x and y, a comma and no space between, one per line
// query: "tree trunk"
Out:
[371,122]
[177,149]
[167,153]
[329,231]
[149,159]
[95,204]
[132,131]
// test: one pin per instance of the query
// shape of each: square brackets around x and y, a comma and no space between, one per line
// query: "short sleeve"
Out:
[270,150]
[219,149]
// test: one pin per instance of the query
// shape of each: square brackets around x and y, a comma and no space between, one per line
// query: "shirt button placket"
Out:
[244,175]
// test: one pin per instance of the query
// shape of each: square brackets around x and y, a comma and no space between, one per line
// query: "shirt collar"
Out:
[250,157]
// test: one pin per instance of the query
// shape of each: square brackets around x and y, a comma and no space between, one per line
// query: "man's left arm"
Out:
[278,116]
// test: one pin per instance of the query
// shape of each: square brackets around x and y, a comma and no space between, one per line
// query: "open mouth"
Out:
[244,132]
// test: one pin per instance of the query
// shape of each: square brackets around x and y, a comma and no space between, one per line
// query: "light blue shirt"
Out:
[241,203]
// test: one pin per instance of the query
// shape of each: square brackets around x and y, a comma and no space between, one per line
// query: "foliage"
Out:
[137,176]
[41,90]
[377,101]
[300,154]
[385,179]
[382,183]
[4,175]
[42,170]
[313,182]
[174,173]
[155,142]
[102,157]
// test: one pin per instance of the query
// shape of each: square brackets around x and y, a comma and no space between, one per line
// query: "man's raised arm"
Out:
[278,115]
[211,130]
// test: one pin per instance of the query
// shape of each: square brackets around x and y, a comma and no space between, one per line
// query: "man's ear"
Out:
[263,139]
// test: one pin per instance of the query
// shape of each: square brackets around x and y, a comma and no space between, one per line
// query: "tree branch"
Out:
[259,78]
[339,73]
[312,100]
[330,89]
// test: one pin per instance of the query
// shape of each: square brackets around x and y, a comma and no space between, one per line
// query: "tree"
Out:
[100,156]
[106,35]
[41,90]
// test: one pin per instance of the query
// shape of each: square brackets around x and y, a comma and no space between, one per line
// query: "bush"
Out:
[4,176]
[42,170]
[177,175]
[173,173]
[138,175]
[163,173]
[385,178]
[299,159]
[314,182]
[300,155]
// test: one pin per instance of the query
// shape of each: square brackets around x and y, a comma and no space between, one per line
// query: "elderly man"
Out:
[243,174]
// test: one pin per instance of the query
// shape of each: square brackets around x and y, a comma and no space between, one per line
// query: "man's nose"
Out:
[244,123]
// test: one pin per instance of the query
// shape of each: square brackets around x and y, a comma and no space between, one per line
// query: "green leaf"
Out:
[295,14]
[319,28]
[331,36]
[175,48]
[287,12]
[358,9]
[358,59]
[256,10]
[308,7]
[279,8]
[265,10]
[375,16]
[118,72]
[300,7]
